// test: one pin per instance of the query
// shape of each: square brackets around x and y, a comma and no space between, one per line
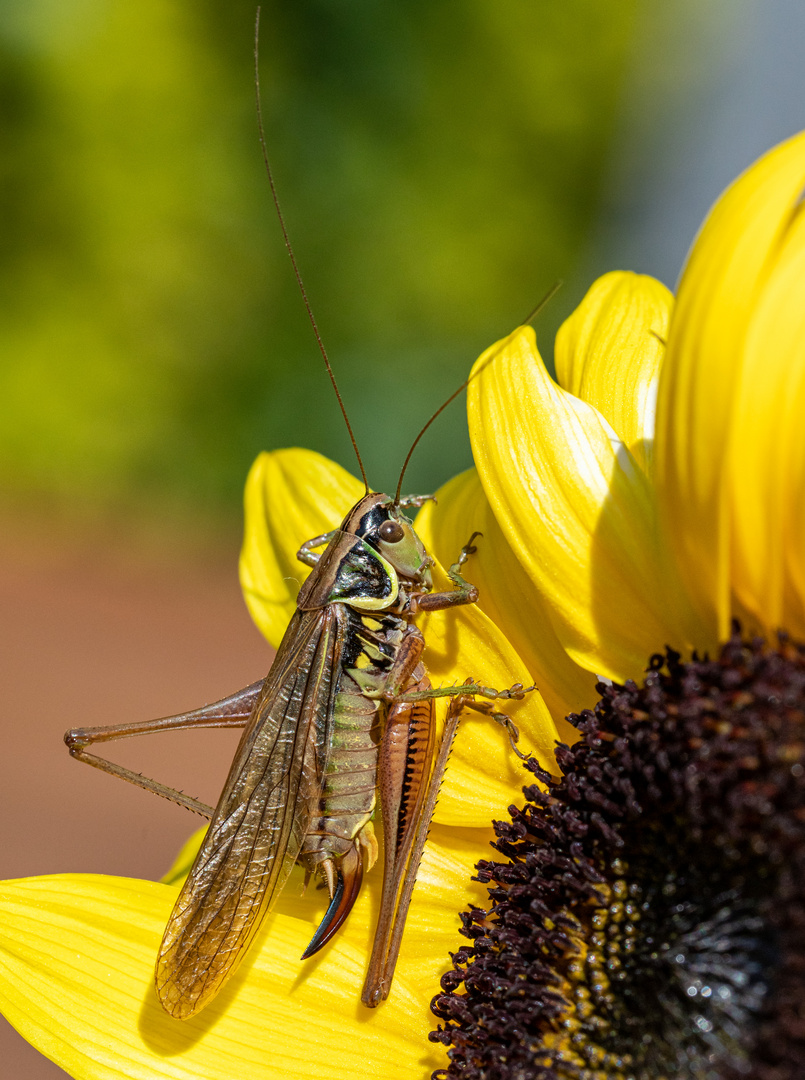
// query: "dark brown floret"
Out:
[649,920]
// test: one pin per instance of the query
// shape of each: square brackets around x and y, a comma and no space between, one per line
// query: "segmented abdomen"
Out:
[350,778]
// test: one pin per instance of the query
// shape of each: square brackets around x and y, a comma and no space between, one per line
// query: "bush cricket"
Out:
[346,713]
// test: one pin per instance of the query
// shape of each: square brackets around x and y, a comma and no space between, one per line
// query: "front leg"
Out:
[464,592]
[415,501]
[306,553]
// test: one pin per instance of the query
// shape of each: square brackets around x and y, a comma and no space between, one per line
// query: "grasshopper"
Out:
[345,713]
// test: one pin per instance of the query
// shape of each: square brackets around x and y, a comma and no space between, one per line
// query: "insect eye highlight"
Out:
[391,531]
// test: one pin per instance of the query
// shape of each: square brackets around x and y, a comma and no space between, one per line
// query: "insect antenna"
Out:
[287,239]
[554,289]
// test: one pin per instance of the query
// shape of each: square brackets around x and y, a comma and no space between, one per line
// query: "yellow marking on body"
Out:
[370,683]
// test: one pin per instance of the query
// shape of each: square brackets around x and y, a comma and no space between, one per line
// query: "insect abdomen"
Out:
[348,796]
[350,780]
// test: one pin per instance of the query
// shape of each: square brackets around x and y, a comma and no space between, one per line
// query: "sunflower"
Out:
[642,501]
[647,921]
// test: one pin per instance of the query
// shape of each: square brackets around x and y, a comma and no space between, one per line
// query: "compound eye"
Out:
[391,532]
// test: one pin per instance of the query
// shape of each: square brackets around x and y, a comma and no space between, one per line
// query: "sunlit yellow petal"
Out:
[291,496]
[767,460]
[507,593]
[484,773]
[76,979]
[608,353]
[443,888]
[725,274]
[576,510]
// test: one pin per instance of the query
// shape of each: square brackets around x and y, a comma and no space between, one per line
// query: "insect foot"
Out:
[469,549]
[505,721]
[516,692]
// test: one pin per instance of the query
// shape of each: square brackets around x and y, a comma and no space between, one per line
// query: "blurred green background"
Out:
[439,165]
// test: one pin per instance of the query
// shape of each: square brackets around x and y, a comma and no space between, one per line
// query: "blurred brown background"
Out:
[441,165]
[93,636]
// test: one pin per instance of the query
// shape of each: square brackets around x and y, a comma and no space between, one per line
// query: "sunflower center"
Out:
[649,923]
[677,963]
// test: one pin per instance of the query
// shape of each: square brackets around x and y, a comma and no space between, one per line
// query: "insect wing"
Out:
[261,819]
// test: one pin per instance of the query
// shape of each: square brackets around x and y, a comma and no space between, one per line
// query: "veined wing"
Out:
[261,819]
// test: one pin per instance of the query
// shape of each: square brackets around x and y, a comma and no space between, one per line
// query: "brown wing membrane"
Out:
[261,819]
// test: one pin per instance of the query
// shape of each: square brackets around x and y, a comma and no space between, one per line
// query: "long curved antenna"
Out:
[415,443]
[554,289]
[549,295]
[290,249]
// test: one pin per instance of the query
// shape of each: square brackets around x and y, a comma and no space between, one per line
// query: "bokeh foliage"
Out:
[439,164]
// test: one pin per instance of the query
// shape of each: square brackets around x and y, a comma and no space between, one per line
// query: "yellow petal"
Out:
[291,496]
[576,510]
[76,979]
[507,594]
[443,889]
[767,460]
[725,274]
[609,352]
